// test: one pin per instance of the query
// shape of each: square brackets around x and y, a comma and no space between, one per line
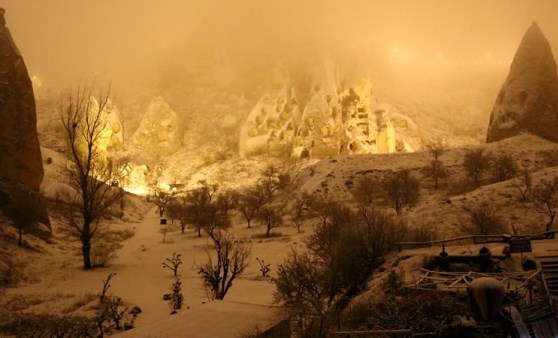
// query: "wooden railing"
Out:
[475,239]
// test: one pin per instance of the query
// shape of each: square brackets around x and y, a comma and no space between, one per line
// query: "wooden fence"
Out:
[475,239]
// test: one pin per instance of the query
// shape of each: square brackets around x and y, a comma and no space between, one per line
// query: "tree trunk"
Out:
[20,239]
[321,326]
[552,215]
[85,249]
[268,229]
[199,232]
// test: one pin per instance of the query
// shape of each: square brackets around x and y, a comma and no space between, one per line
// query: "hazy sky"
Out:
[71,39]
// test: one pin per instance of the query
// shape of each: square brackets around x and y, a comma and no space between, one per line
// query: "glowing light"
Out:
[141,191]
[164,186]
[37,82]
[488,55]
[395,50]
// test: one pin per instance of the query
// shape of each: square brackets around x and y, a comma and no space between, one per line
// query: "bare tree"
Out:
[437,171]
[303,283]
[201,211]
[226,200]
[342,252]
[503,168]
[84,126]
[111,307]
[25,212]
[271,217]
[524,182]
[264,268]
[231,259]
[178,210]
[546,194]
[249,203]
[366,189]
[475,163]
[400,188]
[161,198]
[436,148]
[273,180]
[300,208]
[173,263]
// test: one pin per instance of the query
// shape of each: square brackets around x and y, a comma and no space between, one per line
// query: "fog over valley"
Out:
[278,168]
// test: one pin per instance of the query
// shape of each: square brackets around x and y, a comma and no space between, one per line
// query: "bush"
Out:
[47,325]
[345,247]
[400,189]
[422,233]
[177,298]
[503,168]
[475,163]
[419,310]
[102,253]
[484,221]
[366,190]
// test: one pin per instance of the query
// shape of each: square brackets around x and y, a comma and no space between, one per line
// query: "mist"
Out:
[64,41]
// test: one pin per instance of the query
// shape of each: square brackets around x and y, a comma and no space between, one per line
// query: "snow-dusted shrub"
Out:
[419,310]
[48,325]
[476,162]
[177,297]
[484,221]
[102,253]
[421,233]
[343,250]
[228,262]
[503,168]
[401,189]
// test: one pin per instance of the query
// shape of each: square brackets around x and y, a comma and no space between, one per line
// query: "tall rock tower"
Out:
[528,100]
[20,154]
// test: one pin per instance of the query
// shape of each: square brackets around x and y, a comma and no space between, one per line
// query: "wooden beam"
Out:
[371,332]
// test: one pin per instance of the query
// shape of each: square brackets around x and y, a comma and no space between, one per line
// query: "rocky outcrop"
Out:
[116,142]
[334,122]
[528,100]
[159,133]
[20,155]
[271,126]
[110,139]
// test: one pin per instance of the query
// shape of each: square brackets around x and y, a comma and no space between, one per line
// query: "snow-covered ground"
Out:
[141,280]
[55,282]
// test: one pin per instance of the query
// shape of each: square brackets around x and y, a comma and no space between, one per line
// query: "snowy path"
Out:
[141,280]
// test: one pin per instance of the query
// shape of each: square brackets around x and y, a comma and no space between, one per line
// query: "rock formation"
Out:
[333,123]
[116,142]
[528,100]
[110,139]
[271,126]
[20,154]
[159,133]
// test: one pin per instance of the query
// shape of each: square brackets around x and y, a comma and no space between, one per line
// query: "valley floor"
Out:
[141,280]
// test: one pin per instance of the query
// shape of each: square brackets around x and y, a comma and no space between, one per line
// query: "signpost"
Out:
[520,245]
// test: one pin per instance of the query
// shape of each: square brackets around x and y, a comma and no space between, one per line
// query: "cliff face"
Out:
[20,154]
[528,100]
